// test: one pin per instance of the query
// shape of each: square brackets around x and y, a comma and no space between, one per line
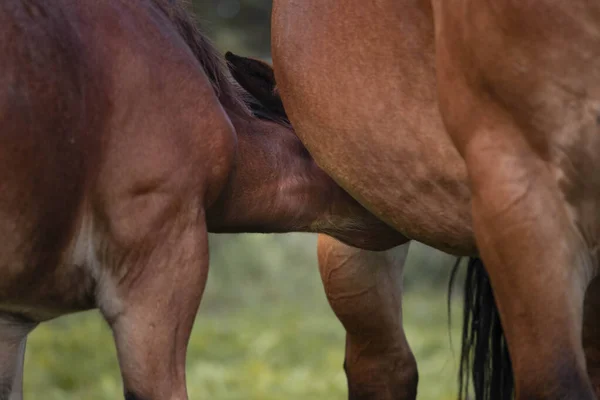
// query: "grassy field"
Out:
[262,334]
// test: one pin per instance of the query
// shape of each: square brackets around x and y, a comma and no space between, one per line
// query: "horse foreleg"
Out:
[364,290]
[591,333]
[157,303]
[13,336]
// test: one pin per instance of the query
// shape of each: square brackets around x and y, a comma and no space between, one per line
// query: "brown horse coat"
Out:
[531,70]
[123,142]
[358,84]
[517,84]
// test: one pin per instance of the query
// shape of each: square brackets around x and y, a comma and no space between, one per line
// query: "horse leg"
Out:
[364,290]
[152,309]
[539,269]
[17,385]
[591,333]
[13,336]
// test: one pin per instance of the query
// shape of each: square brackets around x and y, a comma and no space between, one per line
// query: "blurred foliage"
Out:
[240,26]
[264,330]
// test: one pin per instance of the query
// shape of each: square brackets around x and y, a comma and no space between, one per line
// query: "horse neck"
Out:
[276,186]
[273,187]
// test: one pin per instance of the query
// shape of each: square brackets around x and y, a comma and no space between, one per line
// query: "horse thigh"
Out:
[13,336]
[538,267]
[364,290]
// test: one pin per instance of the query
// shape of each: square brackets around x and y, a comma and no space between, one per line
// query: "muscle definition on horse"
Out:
[364,290]
[532,70]
[124,141]
[516,84]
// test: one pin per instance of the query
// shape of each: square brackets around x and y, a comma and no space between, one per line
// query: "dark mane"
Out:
[213,63]
[230,94]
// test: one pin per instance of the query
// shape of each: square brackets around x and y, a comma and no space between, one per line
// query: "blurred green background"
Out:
[264,330]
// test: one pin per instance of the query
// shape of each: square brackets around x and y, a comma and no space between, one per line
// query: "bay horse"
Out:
[532,72]
[364,99]
[124,141]
[364,289]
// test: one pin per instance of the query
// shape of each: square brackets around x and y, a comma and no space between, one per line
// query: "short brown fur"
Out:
[516,85]
[123,142]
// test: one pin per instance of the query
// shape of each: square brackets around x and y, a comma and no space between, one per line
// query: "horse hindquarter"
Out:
[520,101]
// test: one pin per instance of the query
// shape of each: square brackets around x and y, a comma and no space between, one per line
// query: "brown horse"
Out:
[364,288]
[358,81]
[123,142]
[532,150]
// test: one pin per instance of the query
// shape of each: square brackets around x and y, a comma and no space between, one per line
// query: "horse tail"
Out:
[484,354]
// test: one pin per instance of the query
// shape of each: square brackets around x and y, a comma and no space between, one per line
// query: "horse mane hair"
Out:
[231,95]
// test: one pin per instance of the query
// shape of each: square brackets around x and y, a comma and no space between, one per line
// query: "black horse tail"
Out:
[484,358]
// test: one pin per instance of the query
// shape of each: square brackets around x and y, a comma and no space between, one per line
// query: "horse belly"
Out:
[50,142]
[44,283]
[362,98]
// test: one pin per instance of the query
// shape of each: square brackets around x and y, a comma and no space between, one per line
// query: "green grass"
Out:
[275,338]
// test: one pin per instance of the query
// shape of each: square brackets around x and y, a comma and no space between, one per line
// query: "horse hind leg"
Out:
[591,333]
[16,392]
[539,268]
[364,290]
[13,336]
[152,308]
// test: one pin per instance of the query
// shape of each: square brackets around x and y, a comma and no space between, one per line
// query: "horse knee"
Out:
[385,376]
